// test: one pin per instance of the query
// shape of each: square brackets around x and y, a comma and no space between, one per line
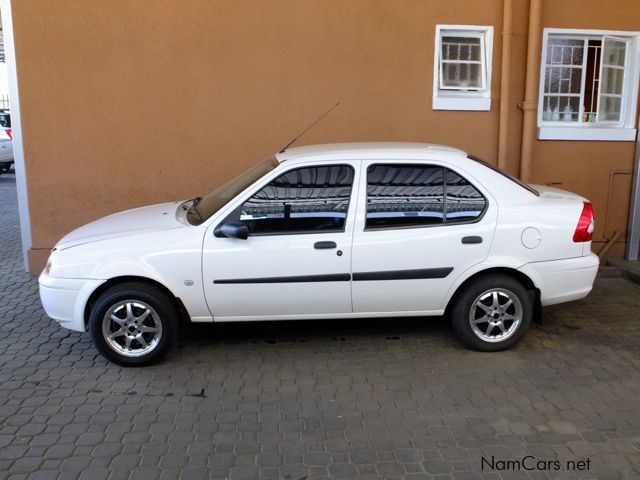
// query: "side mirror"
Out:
[232,230]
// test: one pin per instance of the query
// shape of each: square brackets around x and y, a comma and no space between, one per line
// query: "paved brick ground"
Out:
[367,399]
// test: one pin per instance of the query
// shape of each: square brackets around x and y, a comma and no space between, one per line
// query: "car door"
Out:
[6,150]
[419,225]
[296,259]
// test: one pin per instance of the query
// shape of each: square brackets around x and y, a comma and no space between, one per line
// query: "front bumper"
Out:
[64,299]
[563,280]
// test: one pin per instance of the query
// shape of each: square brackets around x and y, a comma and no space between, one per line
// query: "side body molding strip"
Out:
[332,277]
[423,273]
[403,274]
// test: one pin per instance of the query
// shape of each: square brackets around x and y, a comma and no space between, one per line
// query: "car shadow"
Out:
[8,178]
[302,331]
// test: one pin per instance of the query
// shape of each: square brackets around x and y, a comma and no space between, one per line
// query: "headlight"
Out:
[47,269]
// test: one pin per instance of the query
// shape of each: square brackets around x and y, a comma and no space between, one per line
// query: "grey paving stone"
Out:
[145,473]
[95,473]
[76,463]
[435,466]
[44,475]
[269,459]
[244,472]
[316,458]
[26,465]
[60,451]
[195,473]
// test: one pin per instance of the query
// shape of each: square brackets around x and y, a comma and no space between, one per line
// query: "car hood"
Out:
[130,222]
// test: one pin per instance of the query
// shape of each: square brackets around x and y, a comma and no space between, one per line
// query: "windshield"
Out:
[203,208]
[524,185]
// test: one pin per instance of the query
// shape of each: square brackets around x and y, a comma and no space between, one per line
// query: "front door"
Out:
[296,260]
[420,227]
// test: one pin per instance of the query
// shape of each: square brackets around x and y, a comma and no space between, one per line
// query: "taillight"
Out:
[9,134]
[584,230]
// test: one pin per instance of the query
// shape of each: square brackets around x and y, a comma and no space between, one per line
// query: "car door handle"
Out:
[324,245]
[472,239]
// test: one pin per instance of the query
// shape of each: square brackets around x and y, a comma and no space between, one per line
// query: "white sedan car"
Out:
[331,231]
[6,142]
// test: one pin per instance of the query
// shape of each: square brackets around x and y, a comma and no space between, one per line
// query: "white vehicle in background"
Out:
[329,231]
[6,142]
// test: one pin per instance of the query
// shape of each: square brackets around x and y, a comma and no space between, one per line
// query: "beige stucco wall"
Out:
[131,102]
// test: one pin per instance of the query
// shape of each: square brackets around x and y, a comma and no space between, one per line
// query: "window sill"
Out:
[611,134]
[462,103]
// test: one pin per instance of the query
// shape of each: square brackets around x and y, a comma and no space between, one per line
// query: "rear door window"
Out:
[419,195]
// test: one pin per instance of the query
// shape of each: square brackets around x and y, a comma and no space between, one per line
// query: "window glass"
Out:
[463,201]
[203,208]
[404,195]
[524,185]
[461,62]
[5,120]
[563,79]
[583,79]
[462,67]
[611,83]
[414,195]
[313,199]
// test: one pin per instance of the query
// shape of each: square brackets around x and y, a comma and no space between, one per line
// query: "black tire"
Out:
[506,288]
[131,302]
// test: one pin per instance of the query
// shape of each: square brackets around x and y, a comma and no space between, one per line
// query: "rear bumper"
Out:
[64,299]
[563,280]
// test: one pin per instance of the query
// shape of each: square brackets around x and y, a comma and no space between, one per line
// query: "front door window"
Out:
[303,200]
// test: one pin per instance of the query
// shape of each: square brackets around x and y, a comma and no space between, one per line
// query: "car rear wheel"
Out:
[133,324]
[493,313]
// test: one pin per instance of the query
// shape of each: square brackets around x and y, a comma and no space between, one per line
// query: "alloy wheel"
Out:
[132,328]
[495,315]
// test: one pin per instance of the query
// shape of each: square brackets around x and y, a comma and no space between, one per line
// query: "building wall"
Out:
[127,102]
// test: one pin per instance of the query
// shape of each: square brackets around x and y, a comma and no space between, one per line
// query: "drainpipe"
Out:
[530,103]
[633,242]
[505,81]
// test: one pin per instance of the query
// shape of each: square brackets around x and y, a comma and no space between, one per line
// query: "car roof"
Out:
[365,150]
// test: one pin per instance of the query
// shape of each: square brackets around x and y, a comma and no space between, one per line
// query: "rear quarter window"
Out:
[515,180]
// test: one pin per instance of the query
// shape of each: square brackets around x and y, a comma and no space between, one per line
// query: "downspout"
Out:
[632,250]
[530,103]
[505,83]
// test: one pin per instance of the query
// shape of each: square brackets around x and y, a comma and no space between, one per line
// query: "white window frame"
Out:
[452,98]
[625,130]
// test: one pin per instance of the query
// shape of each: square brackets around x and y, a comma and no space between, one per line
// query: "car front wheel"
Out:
[133,324]
[493,313]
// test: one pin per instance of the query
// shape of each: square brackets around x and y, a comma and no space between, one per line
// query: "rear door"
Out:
[419,226]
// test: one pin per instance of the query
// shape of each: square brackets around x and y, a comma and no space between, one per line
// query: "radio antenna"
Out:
[308,128]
